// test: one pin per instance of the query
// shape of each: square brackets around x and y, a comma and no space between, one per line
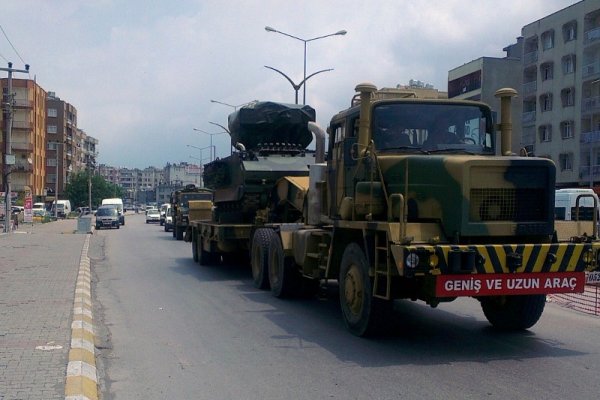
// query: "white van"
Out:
[118,203]
[61,208]
[565,203]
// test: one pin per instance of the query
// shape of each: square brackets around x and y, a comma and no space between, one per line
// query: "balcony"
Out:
[19,146]
[528,117]
[530,58]
[21,125]
[22,168]
[529,88]
[23,103]
[590,104]
[591,36]
[590,137]
[590,69]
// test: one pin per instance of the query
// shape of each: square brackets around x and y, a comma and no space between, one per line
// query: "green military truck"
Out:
[180,207]
[413,202]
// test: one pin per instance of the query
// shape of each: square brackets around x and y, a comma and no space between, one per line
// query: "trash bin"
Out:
[84,224]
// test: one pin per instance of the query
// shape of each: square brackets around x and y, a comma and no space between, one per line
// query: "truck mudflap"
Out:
[509,284]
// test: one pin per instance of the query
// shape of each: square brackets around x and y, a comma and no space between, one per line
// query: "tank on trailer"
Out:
[272,140]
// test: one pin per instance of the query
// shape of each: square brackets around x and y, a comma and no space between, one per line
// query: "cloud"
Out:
[141,77]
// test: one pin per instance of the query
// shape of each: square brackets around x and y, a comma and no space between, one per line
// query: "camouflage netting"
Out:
[270,122]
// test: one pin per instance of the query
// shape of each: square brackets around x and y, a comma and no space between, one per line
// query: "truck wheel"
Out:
[513,312]
[284,279]
[205,257]
[173,231]
[195,247]
[363,315]
[178,233]
[259,257]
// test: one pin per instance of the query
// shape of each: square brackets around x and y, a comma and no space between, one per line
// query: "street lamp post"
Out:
[231,105]
[213,151]
[299,85]
[305,41]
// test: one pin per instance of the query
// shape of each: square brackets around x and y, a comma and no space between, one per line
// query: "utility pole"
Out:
[9,159]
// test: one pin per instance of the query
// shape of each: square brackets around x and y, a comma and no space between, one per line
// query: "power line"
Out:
[11,45]
[5,59]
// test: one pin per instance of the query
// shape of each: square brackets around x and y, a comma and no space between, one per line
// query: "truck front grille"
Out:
[508,204]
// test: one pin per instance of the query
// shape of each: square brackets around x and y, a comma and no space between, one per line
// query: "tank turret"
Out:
[274,138]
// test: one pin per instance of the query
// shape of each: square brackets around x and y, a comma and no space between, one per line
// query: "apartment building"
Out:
[28,135]
[479,79]
[561,92]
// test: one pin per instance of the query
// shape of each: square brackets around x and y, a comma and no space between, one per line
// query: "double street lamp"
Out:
[213,154]
[305,41]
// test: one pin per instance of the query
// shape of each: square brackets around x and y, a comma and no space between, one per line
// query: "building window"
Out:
[52,112]
[547,71]
[548,40]
[567,97]
[545,133]
[546,102]
[50,178]
[50,162]
[52,129]
[566,161]
[566,129]
[568,64]
[570,31]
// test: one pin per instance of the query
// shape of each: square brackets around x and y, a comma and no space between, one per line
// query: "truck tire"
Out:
[259,257]
[284,279]
[178,233]
[513,312]
[205,257]
[363,315]
[195,247]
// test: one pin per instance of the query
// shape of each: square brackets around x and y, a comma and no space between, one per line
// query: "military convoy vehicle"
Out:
[411,202]
[180,207]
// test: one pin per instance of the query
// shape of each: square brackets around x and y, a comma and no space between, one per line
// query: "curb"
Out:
[82,378]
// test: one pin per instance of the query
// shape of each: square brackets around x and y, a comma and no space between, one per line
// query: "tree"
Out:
[77,189]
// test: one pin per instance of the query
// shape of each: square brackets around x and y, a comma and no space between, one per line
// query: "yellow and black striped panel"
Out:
[535,257]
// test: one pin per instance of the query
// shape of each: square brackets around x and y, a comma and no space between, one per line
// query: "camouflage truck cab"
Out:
[419,206]
[180,207]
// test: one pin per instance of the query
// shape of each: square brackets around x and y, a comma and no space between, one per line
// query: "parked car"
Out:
[152,215]
[107,217]
[39,210]
[163,208]
[168,219]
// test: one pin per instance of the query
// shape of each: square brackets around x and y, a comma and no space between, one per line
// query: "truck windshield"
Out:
[432,127]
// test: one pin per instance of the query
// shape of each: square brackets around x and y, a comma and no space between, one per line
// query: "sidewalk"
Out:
[38,273]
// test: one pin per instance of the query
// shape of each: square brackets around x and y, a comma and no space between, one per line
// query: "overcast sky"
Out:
[141,73]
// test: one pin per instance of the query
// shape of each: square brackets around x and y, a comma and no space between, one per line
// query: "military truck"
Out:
[180,207]
[413,202]
[271,141]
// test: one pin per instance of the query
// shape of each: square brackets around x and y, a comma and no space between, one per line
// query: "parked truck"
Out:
[411,202]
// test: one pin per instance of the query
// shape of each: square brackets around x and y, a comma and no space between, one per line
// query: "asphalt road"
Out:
[172,329]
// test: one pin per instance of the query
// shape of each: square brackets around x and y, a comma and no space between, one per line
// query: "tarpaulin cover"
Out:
[270,122]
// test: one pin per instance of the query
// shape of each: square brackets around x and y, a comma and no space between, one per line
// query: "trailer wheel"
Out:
[284,279]
[195,247]
[205,257]
[259,257]
[513,312]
